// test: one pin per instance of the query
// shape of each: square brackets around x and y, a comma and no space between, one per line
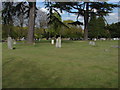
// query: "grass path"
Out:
[75,65]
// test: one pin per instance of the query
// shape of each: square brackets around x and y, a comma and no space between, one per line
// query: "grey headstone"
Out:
[92,43]
[14,42]
[103,39]
[59,38]
[22,39]
[10,43]
[115,38]
[115,46]
[58,42]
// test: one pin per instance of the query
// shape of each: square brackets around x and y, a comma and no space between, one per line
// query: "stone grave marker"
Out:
[58,42]
[92,43]
[10,43]
[59,39]
[95,39]
[14,42]
[22,39]
[52,41]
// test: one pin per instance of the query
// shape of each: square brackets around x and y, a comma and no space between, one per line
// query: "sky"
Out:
[112,18]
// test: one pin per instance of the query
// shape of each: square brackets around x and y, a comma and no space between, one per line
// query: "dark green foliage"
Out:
[85,9]
[97,28]
[7,15]
[55,23]
[114,30]
[15,32]
[8,12]
[73,31]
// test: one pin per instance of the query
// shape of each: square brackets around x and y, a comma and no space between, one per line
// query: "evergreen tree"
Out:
[97,28]
[7,16]
[55,22]
[85,9]
[114,30]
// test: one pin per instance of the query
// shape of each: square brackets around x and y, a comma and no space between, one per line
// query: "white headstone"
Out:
[95,39]
[115,38]
[92,43]
[52,41]
[59,39]
[23,39]
[10,43]
[57,43]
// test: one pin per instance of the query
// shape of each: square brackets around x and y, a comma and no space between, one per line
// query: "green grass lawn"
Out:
[75,65]
[0,65]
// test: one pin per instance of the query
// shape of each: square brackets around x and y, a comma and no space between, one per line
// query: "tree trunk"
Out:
[86,18]
[10,28]
[31,23]
[21,25]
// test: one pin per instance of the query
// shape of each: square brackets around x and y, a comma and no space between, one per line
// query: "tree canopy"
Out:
[85,9]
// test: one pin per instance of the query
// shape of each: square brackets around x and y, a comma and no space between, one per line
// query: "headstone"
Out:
[115,46]
[95,39]
[58,42]
[23,39]
[49,38]
[106,50]
[92,43]
[10,43]
[52,41]
[14,42]
[115,38]
[103,39]
[39,39]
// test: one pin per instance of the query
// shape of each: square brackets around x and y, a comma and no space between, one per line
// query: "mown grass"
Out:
[0,65]
[75,65]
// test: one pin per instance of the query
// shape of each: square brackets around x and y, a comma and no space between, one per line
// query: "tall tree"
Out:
[85,9]
[114,30]
[7,15]
[55,22]
[92,27]
[31,23]
[97,28]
